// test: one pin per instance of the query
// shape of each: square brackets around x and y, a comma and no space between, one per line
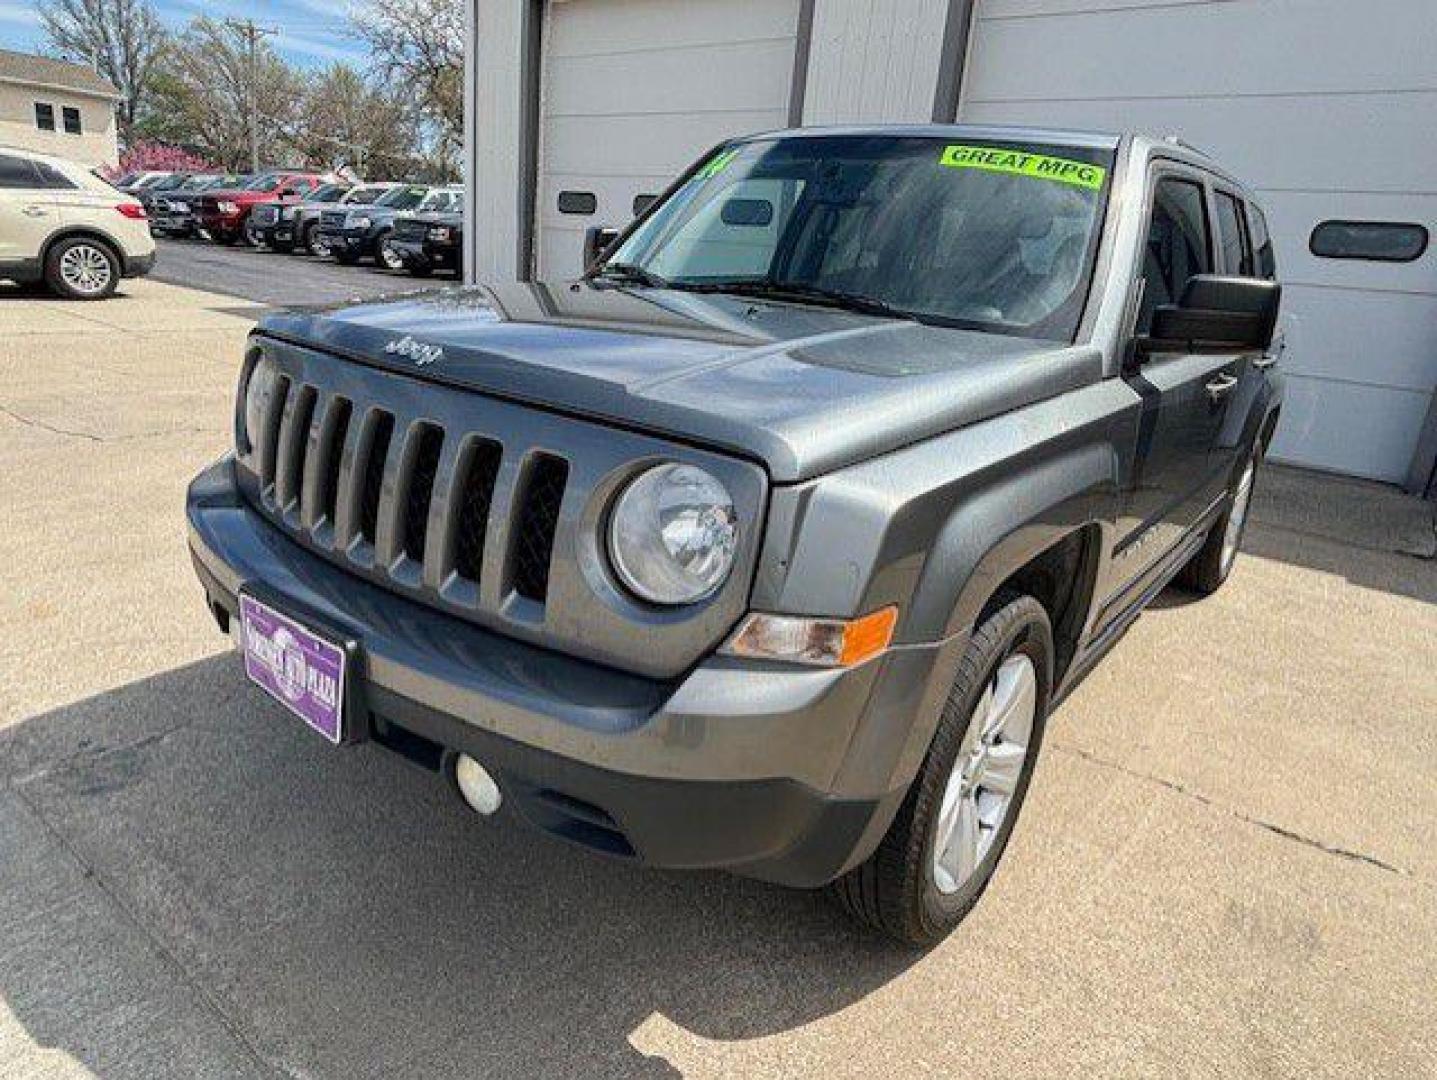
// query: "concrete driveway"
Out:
[1227,866]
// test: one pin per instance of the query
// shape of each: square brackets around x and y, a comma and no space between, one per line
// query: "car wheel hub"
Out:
[85,268]
[1232,535]
[984,780]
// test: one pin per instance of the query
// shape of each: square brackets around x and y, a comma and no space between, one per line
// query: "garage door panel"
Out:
[1348,428]
[1194,50]
[604,86]
[1366,142]
[1293,215]
[1381,339]
[586,27]
[642,145]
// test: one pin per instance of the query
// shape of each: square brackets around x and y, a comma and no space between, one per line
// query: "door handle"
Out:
[1220,387]
[34,211]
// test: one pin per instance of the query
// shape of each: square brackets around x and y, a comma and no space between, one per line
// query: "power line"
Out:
[250,34]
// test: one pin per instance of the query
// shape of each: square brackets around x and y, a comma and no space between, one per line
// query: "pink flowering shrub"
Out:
[161,157]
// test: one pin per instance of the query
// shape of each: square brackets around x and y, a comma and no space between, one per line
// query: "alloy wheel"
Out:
[1237,518]
[86,269]
[980,790]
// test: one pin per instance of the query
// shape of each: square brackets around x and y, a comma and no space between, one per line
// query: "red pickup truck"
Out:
[223,215]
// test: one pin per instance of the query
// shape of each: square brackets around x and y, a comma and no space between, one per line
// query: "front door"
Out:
[1176,477]
[28,212]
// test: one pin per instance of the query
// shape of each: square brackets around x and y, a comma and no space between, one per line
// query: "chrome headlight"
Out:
[673,534]
[224,206]
[257,394]
[439,233]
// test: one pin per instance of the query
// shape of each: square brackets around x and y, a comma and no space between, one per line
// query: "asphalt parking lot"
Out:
[274,278]
[1226,866]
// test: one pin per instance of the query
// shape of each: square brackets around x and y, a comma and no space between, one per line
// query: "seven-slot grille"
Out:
[411,229]
[332,219]
[403,497]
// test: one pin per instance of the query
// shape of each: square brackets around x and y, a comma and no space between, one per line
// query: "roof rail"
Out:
[1176,140]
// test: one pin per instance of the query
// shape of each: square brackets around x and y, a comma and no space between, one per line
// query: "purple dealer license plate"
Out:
[305,673]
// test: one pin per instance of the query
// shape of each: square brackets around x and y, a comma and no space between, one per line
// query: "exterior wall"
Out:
[96,145]
[1325,108]
[495,184]
[875,62]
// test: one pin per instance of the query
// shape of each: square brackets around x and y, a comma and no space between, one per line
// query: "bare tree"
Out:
[122,39]
[417,47]
[204,94]
[345,121]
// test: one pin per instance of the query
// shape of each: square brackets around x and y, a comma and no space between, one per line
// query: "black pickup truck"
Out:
[429,242]
[773,542]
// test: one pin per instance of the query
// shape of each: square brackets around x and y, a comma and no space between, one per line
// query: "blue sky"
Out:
[312,33]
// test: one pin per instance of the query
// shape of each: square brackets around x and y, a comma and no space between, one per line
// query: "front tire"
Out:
[384,253]
[1210,568]
[82,268]
[949,835]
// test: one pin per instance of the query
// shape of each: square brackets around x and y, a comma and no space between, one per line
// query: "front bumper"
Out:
[172,224]
[350,242]
[220,224]
[766,770]
[276,234]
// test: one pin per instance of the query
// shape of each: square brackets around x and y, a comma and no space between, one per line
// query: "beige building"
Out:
[55,107]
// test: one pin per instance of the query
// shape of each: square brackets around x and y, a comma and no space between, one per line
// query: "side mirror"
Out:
[1216,314]
[597,240]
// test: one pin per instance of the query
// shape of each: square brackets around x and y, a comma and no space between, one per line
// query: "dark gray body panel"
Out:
[796,387]
[899,465]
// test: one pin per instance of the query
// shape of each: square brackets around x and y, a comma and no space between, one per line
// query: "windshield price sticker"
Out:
[1020,163]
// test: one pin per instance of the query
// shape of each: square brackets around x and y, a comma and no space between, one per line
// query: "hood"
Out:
[802,389]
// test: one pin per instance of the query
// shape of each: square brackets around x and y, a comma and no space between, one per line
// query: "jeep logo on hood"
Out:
[423,355]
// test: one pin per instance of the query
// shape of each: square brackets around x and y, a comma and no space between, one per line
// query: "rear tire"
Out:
[949,835]
[1209,569]
[82,268]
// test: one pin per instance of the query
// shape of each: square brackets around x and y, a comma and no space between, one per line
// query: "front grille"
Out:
[411,229]
[363,483]
[332,219]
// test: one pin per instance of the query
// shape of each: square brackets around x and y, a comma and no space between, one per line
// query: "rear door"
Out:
[29,212]
[1185,395]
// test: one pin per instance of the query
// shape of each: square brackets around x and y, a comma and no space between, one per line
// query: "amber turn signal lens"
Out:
[818,642]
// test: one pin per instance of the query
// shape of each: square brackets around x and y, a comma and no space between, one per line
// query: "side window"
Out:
[1178,247]
[17,172]
[44,116]
[52,177]
[1236,244]
[736,235]
[1263,255]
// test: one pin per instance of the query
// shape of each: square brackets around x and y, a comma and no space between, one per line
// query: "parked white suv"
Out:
[61,224]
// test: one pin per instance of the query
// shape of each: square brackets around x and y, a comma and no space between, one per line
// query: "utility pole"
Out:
[250,34]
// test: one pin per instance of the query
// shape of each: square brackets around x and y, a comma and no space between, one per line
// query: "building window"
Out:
[72,121]
[44,116]
[643,202]
[577,202]
[1378,241]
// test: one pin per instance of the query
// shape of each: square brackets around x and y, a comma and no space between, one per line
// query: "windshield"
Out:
[365,196]
[328,193]
[263,183]
[403,198]
[992,235]
[169,183]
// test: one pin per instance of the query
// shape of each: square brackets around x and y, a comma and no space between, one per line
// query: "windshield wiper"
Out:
[803,294]
[629,273]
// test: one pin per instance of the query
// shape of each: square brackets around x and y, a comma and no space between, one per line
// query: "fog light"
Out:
[477,786]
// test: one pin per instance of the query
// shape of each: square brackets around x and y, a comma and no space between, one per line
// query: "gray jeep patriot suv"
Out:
[772,542]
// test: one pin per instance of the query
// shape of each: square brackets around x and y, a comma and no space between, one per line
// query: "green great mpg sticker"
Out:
[1020,163]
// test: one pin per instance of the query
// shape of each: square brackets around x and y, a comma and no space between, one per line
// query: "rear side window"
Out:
[1263,254]
[1179,245]
[1232,227]
[17,172]
[1379,241]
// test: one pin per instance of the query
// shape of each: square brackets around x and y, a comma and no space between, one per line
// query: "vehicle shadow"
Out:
[346,916]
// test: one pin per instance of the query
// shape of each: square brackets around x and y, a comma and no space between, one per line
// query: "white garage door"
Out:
[633,92]
[1326,108]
